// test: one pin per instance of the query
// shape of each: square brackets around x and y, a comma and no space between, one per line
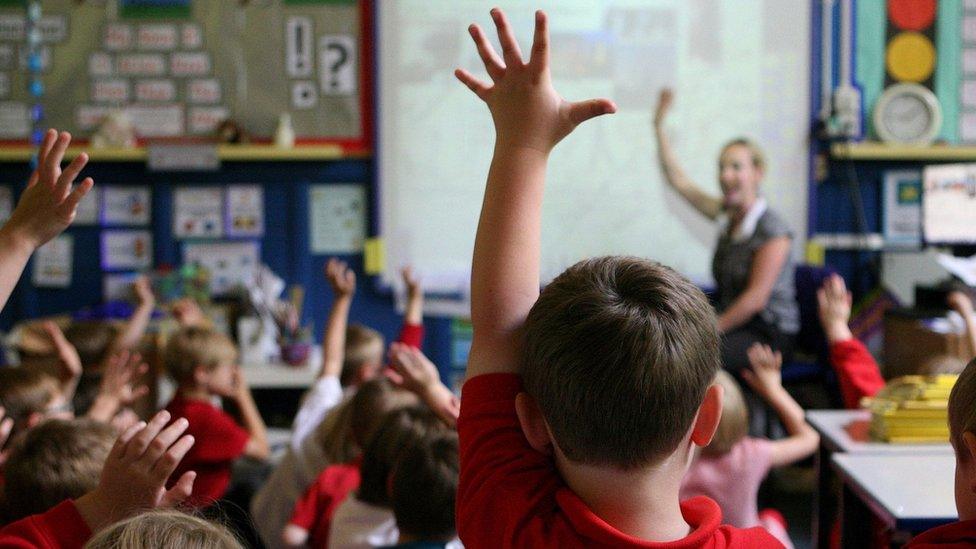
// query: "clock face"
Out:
[908,117]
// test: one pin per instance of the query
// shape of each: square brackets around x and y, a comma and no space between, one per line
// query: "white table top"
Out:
[278,375]
[847,431]
[908,492]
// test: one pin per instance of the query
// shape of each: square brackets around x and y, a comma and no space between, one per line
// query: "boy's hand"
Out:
[411,282]
[134,476]
[525,108]
[47,206]
[341,278]
[960,303]
[68,359]
[121,372]
[416,372]
[143,291]
[834,307]
[765,377]
[664,102]
[6,426]
[187,313]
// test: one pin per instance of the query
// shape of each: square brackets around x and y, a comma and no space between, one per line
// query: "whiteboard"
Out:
[739,67]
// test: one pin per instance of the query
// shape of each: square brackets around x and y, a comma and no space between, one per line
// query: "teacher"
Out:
[752,265]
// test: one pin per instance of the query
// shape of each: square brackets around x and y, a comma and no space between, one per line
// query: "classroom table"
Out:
[278,375]
[909,493]
[846,431]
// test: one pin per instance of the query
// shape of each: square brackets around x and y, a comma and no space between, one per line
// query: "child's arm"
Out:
[961,303]
[187,313]
[857,372]
[46,207]
[708,205]
[415,298]
[326,392]
[116,389]
[257,446]
[135,473]
[765,378]
[135,328]
[6,426]
[530,118]
[419,376]
[68,360]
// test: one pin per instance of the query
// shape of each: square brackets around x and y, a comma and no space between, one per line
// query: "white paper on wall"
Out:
[53,263]
[126,249]
[337,218]
[89,208]
[299,52]
[245,210]
[230,264]
[198,212]
[337,65]
[126,205]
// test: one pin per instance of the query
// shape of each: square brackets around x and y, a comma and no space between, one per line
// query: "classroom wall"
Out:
[284,247]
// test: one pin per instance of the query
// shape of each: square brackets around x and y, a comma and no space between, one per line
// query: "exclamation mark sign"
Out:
[299,53]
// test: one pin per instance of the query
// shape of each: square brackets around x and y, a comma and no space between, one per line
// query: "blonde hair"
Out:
[164,528]
[758,158]
[193,347]
[962,409]
[942,364]
[364,346]
[734,425]
[55,461]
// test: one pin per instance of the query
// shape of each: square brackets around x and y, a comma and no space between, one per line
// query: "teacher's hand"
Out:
[664,102]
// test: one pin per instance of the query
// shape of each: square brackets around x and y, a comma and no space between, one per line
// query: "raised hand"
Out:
[121,373]
[48,204]
[143,290]
[188,313]
[69,363]
[340,277]
[135,474]
[765,376]
[664,102]
[834,308]
[526,109]
[411,281]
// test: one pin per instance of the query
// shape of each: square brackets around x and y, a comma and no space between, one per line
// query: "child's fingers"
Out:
[493,64]
[52,164]
[69,174]
[81,189]
[137,446]
[49,138]
[162,442]
[582,111]
[474,84]
[511,52]
[6,426]
[139,392]
[540,42]
[822,299]
[180,491]
[168,462]
[118,450]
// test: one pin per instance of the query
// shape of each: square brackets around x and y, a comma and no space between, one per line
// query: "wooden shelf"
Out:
[873,150]
[230,153]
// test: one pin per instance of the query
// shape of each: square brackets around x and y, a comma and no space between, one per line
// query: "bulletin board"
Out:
[180,67]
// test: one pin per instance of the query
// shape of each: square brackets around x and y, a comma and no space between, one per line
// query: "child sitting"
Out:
[57,460]
[423,494]
[203,364]
[618,358]
[731,468]
[365,519]
[29,396]
[962,435]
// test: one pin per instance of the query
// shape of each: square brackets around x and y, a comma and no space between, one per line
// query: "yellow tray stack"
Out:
[912,409]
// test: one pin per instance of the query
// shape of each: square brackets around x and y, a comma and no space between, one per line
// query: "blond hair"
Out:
[942,364]
[364,346]
[164,528]
[57,460]
[962,409]
[734,425]
[758,158]
[195,347]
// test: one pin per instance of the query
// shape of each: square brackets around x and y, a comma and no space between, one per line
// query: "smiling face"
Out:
[739,174]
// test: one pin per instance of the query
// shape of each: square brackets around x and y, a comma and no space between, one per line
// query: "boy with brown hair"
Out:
[618,357]
[423,493]
[203,362]
[962,435]
[57,460]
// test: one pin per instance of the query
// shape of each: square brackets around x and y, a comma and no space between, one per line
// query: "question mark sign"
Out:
[340,60]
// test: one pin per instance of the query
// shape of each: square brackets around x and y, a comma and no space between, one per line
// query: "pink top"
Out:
[732,480]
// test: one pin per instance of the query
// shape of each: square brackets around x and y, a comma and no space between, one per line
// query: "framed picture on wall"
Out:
[902,211]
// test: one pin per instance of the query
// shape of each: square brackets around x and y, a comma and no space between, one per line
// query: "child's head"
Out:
[962,435]
[164,528]
[93,340]
[55,461]
[400,430]
[942,364]
[618,355]
[424,487]
[28,396]
[344,432]
[363,358]
[734,425]
[201,357]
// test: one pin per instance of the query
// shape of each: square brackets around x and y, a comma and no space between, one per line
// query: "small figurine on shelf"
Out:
[230,131]
[284,134]
[116,130]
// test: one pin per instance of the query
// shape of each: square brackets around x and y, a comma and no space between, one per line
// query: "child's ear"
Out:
[200,375]
[969,445]
[709,414]
[533,424]
[33,419]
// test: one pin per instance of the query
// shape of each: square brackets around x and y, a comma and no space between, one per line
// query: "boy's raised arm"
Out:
[46,207]
[530,118]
